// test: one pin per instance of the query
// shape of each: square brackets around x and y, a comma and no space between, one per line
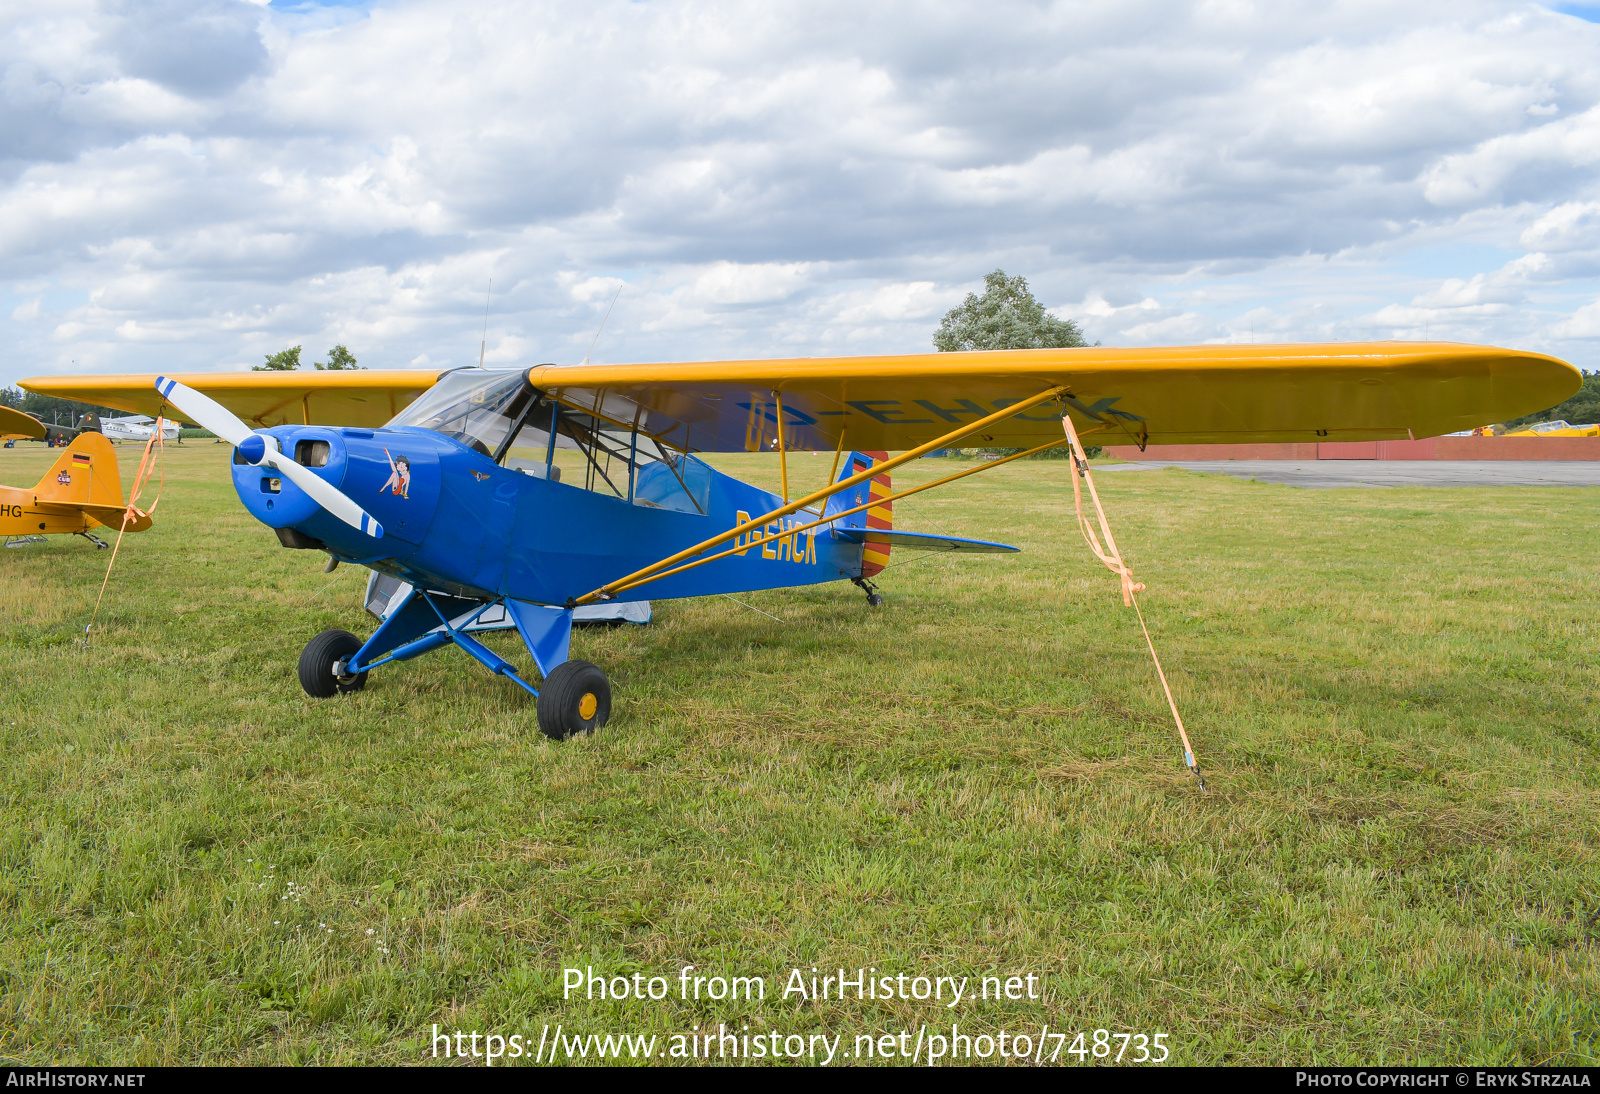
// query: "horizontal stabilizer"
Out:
[926,541]
[109,515]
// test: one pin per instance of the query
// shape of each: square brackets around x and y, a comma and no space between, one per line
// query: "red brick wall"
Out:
[1347,450]
[1213,452]
[1516,448]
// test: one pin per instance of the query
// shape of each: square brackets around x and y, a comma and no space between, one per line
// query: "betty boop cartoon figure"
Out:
[399,476]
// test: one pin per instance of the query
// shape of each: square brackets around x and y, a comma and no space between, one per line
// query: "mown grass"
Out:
[1391,692]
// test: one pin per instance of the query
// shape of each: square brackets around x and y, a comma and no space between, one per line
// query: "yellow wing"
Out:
[1167,395]
[16,424]
[357,397]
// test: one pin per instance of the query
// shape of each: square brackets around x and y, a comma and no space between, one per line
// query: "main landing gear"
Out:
[574,699]
[874,597]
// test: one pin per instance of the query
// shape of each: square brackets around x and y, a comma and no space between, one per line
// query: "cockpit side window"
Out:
[594,454]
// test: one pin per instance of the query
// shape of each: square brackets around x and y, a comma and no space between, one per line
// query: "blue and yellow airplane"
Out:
[539,490]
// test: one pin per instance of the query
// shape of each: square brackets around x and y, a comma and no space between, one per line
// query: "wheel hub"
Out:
[588,705]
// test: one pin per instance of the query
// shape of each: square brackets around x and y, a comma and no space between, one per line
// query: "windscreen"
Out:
[480,408]
[477,407]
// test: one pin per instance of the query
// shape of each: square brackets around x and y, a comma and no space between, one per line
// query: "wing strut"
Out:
[783,448]
[147,466]
[607,591]
[1109,555]
[830,518]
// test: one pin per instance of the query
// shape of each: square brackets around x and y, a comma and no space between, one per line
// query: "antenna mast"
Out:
[596,341]
[484,346]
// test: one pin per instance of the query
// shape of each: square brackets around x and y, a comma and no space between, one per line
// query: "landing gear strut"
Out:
[96,540]
[874,597]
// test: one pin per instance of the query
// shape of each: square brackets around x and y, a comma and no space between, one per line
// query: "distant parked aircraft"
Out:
[18,425]
[137,427]
[1557,429]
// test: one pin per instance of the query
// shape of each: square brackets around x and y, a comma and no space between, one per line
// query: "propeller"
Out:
[261,449]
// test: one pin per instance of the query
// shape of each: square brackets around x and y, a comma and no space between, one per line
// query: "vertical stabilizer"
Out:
[880,517]
[86,474]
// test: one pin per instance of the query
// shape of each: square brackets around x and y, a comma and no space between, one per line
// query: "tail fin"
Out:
[875,555]
[86,474]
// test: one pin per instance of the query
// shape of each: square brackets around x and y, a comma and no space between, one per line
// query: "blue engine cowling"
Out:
[392,474]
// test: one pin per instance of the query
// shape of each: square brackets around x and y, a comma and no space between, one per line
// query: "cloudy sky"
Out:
[193,184]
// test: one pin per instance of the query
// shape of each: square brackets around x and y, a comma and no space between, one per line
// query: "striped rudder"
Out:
[875,555]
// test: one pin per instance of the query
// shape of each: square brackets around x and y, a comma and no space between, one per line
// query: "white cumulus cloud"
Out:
[192,184]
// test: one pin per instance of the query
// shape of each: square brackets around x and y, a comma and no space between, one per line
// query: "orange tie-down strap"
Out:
[1109,555]
[147,467]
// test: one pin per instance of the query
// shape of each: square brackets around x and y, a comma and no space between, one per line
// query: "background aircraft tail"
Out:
[875,555]
[86,474]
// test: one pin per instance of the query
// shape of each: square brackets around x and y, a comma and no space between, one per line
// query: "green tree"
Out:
[1006,316]
[339,359]
[283,361]
[1582,409]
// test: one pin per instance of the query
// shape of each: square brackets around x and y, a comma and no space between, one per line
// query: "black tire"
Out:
[575,698]
[317,662]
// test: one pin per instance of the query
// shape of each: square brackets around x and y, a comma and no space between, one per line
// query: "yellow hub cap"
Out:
[588,705]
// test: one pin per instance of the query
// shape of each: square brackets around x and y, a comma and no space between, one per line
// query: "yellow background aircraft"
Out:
[1557,429]
[82,490]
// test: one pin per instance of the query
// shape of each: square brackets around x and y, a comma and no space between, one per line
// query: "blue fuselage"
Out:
[456,521]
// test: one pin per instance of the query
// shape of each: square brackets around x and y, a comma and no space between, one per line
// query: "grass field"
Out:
[1391,693]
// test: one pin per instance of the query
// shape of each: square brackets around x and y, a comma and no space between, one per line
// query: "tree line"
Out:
[339,359]
[49,409]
